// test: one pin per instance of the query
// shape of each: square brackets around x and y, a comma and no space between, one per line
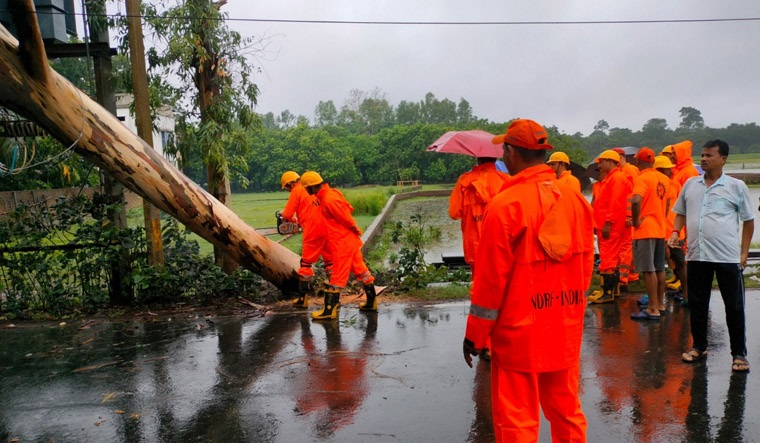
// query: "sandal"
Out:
[693,355]
[740,364]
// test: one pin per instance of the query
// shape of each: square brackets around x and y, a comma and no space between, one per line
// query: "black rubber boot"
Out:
[302,297]
[371,304]
[609,282]
[332,305]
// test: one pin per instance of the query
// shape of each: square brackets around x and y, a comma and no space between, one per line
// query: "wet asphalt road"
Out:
[398,376]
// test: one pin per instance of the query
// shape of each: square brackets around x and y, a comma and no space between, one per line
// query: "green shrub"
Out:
[38,277]
[369,203]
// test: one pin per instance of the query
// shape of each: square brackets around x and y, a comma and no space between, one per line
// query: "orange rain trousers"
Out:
[314,245]
[626,257]
[517,397]
[344,265]
[613,250]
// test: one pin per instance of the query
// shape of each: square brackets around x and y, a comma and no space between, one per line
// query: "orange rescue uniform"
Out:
[652,187]
[611,206]
[468,201]
[529,299]
[306,208]
[684,169]
[627,273]
[566,178]
[343,238]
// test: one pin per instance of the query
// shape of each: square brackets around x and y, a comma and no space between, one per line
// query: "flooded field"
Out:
[435,212]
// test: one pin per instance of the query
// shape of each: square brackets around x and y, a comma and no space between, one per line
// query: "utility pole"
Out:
[144,124]
[121,290]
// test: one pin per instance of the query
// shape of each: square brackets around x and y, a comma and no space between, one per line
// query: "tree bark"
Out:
[31,88]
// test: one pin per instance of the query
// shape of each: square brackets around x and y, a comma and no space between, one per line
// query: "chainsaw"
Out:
[286,227]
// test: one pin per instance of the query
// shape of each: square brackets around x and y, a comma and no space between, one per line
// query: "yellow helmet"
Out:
[310,178]
[663,162]
[288,177]
[559,157]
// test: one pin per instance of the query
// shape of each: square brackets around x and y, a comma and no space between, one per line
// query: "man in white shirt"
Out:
[715,209]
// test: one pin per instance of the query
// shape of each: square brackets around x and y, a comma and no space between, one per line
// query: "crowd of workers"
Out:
[529,290]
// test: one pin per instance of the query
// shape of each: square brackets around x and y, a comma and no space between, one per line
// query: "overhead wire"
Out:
[439,22]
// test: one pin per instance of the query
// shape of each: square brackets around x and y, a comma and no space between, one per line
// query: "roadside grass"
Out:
[257,210]
[451,292]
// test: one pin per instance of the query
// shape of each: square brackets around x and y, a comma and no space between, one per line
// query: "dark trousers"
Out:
[699,277]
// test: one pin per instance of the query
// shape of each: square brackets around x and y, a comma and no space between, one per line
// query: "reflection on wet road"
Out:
[394,377]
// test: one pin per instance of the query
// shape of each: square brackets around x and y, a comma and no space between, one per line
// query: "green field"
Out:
[257,209]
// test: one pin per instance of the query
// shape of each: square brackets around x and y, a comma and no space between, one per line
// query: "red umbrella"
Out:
[475,143]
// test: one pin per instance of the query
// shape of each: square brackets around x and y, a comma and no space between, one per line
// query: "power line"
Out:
[436,23]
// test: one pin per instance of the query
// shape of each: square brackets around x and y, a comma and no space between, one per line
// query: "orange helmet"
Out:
[288,177]
[310,178]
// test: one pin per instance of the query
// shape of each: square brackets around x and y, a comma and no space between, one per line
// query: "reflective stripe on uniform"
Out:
[484,313]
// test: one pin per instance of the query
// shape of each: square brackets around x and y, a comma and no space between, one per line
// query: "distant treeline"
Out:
[368,141]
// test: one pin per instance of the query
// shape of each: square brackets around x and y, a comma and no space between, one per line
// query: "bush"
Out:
[40,274]
[369,203]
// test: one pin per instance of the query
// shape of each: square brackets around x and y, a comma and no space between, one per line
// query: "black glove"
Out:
[468,349]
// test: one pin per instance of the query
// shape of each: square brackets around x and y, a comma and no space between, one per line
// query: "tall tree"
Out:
[599,135]
[655,133]
[408,113]
[691,119]
[464,112]
[205,52]
[325,114]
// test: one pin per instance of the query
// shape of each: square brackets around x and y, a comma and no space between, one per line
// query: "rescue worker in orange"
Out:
[684,169]
[649,205]
[610,213]
[560,163]
[528,294]
[675,255]
[472,192]
[344,243]
[668,152]
[304,209]
[627,272]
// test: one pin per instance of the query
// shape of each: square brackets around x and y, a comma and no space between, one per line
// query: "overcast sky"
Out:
[569,75]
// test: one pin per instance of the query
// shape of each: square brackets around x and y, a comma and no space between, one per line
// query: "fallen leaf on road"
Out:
[110,396]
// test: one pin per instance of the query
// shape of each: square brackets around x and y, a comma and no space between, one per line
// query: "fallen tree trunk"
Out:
[31,88]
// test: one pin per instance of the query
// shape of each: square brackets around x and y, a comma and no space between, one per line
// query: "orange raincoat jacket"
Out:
[684,169]
[568,179]
[310,217]
[533,272]
[343,238]
[613,205]
[468,201]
